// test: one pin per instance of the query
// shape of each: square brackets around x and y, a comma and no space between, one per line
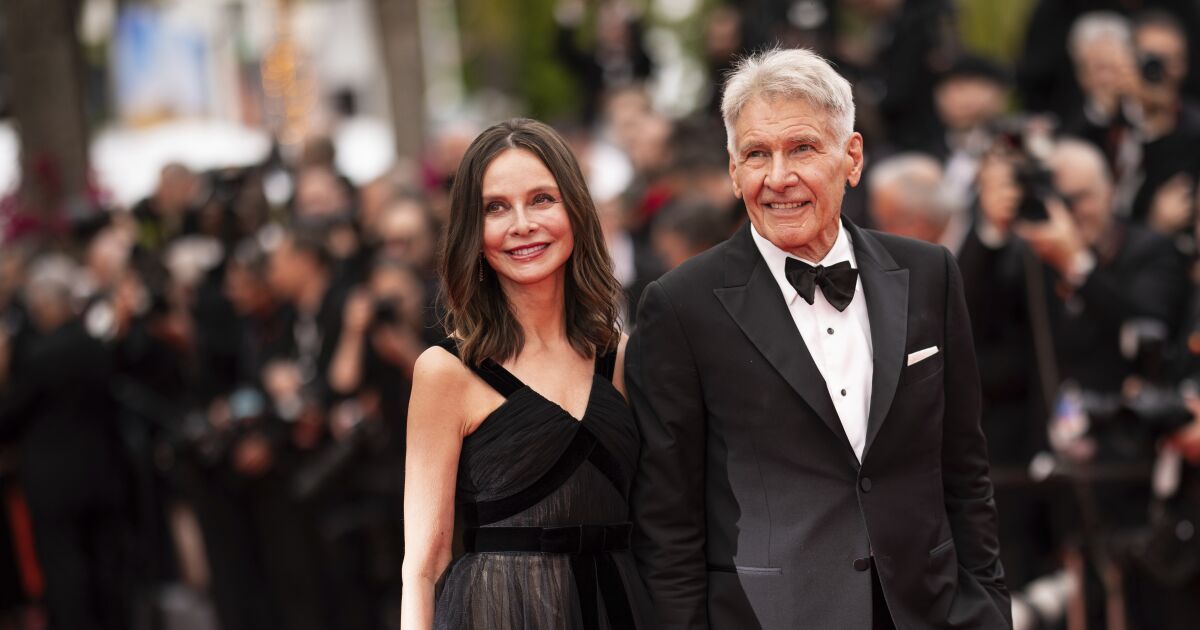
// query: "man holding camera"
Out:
[1081,279]
[1132,74]
[1100,272]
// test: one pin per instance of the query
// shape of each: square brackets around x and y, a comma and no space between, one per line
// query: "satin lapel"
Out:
[886,289]
[759,310]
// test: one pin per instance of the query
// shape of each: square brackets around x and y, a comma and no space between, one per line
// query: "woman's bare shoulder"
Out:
[437,367]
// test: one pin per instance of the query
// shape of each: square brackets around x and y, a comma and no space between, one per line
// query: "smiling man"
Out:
[808,399]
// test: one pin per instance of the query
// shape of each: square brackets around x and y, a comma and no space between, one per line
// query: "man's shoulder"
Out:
[907,252]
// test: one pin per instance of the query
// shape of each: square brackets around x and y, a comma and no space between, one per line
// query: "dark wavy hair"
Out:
[477,312]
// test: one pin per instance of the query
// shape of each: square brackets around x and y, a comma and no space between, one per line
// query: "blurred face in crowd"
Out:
[527,237]
[625,110]
[405,234]
[1082,179]
[1170,47]
[286,270]
[106,257]
[1104,66]
[672,248]
[647,147]
[791,170]
[402,288]
[319,193]
[902,208]
[965,103]
[177,189]
[245,290]
[1166,44]
[722,33]
[49,307]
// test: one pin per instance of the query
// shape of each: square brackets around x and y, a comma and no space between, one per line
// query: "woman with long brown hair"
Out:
[518,425]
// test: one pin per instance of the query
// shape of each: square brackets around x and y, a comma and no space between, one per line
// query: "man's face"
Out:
[902,208]
[283,274]
[404,234]
[1088,193]
[1104,66]
[791,169]
[967,102]
[1165,44]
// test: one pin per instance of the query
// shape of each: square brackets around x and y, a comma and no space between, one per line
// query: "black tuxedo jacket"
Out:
[751,509]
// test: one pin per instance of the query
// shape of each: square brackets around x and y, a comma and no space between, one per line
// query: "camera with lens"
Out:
[1015,136]
[1152,68]
[385,313]
[1150,407]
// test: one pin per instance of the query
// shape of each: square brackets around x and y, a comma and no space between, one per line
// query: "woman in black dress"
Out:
[518,425]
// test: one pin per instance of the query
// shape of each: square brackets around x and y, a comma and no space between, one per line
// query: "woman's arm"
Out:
[436,423]
[619,372]
[345,369]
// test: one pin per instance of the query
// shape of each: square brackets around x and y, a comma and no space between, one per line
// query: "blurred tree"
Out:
[994,29]
[400,34]
[44,67]
[508,48]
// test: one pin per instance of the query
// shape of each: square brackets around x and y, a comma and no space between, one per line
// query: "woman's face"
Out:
[527,236]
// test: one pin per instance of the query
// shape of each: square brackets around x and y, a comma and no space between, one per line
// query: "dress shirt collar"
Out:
[776,258]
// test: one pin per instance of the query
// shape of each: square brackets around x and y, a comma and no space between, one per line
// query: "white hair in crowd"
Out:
[1074,153]
[1097,26]
[790,73]
[53,277]
[918,177]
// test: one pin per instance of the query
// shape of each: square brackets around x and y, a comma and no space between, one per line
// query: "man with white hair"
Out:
[57,409]
[906,198]
[1081,299]
[808,399]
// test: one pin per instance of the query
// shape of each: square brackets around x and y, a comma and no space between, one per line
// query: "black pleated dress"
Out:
[544,498]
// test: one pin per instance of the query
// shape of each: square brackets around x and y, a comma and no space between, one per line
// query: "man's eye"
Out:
[803,148]
[757,153]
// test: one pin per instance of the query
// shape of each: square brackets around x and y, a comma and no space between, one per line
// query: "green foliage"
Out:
[509,46]
[995,28]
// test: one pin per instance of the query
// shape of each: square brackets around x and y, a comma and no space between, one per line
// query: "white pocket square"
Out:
[921,355]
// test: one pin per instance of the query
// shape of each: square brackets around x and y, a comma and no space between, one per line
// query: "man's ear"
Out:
[737,191]
[854,155]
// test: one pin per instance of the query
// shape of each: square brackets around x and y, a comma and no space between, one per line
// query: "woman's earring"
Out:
[481,269]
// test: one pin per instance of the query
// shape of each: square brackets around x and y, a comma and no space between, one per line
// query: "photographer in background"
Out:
[57,406]
[300,274]
[372,368]
[1132,74]
[1077,277]
[1163,184]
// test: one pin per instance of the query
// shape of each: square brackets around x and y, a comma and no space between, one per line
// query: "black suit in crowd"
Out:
[1139,275]
[75,473]
[751,509]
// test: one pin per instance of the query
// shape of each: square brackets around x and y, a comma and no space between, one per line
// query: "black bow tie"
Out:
[837,282]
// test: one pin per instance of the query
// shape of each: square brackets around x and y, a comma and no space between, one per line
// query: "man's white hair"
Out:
[788,73]
[51,276]
[1097,26]
[918,178]
[1073,153]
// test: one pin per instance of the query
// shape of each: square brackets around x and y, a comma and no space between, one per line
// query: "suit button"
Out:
[861,564]
[865,484]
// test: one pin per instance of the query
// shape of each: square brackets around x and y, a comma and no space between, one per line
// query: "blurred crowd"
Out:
[209,390]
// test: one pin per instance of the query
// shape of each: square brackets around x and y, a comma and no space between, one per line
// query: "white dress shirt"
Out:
[839,341]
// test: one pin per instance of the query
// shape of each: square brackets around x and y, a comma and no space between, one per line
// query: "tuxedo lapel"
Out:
[886,289]
[753,299]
